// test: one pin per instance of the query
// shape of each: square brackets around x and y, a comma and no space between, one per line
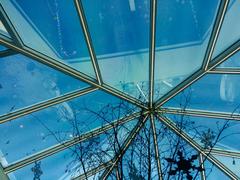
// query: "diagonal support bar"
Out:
[42,105]
[215,32]
[67,144]
[87,36]
[196,146]
[201,113]
[125,146]
[198,74]
[153,13]
[160,176]
[93,171]
[10,28]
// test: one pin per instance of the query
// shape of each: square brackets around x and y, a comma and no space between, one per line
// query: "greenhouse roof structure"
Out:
[119,89]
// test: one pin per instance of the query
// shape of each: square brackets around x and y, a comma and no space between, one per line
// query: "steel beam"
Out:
[67,144]
[10,28]
[125,146]
[201,164]
[231,70]
[215,32]
[44,104]
[153,10]
[223,152]
[201,113]
[196,146]
[66,69]
[93,171]
[87,36]
[199,73]
[160,176]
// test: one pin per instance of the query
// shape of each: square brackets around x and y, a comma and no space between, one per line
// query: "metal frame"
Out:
[233,71]
[3,175]
[196,146]
[156,147]
[201,113]
[64,145]
[153,11]
[17,46]
[215,32]
[125,146]
[44,104]
[201,164]
[87,36]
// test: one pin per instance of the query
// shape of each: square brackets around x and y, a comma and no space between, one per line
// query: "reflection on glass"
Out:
[3,30]
[230,30]
[212,172]
[58,123]
[51,27]
[69,163]
[182,34]
[24,82]
[212,92]
[120,35]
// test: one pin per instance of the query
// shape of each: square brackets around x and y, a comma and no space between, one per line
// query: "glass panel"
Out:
[72,161]
[182,35]
[173,152]
[212,172]
[232,62]
[210,132]
[120,35]
[230,31]
[2,48]
[24,82]
[58,123]
[3,30]
[212,92]
[231,163]
[51,27]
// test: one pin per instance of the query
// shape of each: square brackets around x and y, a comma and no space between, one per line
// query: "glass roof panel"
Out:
[212,172]
[24,82]
[231,163]
[232,62]
[222,134]
[69,163]
[120,36]
[59,123]
[182,35]
[44,26]
[2,48]
[212,92]
[230,30]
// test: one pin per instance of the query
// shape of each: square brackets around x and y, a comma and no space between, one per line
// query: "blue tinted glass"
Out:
[230,31]
[2,48]
[69,163]
[213,173]
[182,34]
[61,122]
[231,163]
[221,133]
[212,92]
[51,27]
[232,62]
[120,35]
[24,82]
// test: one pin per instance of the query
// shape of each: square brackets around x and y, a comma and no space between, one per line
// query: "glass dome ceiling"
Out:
[123,89]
